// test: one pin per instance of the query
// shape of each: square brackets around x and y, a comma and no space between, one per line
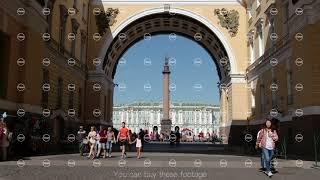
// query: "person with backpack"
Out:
[266,141]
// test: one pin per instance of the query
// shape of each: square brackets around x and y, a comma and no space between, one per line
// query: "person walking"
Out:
[102,142]
[4,140]
[92,136]
[110,140]
[138,145]
[123,138]
[81,136]
[266,141]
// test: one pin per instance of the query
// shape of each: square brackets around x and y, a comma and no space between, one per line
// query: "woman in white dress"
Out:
[138,145]
[92,136]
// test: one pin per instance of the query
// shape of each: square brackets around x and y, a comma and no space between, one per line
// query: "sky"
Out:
[193,75]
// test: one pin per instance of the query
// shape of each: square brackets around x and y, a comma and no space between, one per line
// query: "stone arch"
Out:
[187,23]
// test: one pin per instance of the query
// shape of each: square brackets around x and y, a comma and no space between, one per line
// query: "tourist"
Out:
[110,140]
[102,142]
[92,136]
[266,141]
[4,140]
[97,147]
[123,138]
[161,137]
[263,167]
[208,136]
[81,136]
[138,145]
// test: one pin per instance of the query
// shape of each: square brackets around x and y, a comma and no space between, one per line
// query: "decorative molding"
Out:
[228,20]
[106,19]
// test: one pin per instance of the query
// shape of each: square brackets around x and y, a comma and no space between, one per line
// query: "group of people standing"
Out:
[100,141]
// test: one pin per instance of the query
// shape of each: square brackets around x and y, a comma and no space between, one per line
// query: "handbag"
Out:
[92,141]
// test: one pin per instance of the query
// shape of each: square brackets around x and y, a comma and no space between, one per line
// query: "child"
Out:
[138,145]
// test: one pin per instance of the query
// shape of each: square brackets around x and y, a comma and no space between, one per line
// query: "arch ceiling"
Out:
[160,23]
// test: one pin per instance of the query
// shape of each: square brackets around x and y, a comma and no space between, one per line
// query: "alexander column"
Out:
[166,122]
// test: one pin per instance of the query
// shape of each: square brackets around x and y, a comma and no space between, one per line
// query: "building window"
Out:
[260,39]
[59,93]
[75,26]
[79,103]
[286,17]
[62,31]
[262,98]
[4,63]
[70,101]
[294,1]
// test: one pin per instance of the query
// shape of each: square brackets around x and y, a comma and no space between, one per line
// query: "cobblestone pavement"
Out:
[152,166]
